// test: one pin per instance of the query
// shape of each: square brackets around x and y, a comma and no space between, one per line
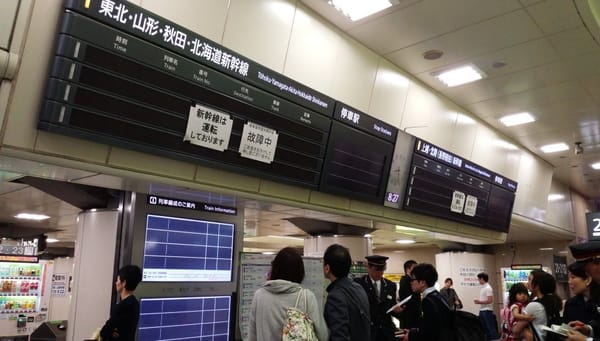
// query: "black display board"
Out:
[359,154]
[108,86]
[444,185]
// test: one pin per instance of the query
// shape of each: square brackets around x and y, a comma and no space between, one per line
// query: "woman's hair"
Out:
[517,288]
[449,280]
[547,286]
[577,269]
[288,265]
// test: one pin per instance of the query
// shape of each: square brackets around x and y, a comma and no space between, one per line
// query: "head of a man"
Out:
[336,262]
[483,278]
[409,265]
[376,266]
[423,276]
[589,253]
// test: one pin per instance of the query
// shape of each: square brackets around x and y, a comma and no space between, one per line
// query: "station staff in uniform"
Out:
[382,296]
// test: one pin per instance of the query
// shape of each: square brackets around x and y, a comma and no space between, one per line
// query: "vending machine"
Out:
[513,275]
[22,304]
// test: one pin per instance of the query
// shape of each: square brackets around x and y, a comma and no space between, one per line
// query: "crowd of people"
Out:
[362,308]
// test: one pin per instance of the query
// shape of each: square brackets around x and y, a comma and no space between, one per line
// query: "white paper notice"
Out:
[458,202]
[471,206]
[208,128]
[399,304]
[258,143]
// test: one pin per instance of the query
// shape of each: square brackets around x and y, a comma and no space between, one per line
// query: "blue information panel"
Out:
[185,318]
[187,250]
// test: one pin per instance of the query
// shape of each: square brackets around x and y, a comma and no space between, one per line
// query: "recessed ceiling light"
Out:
[405,241]
[358,9]
[596,165]
[368,235]
[555,197]
[546,248]
[555,147]
[32,216]
[460,75]
[52,240]
[268,253]
[516,119]
[433,54]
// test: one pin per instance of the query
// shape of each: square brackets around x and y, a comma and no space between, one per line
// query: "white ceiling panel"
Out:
[462,45]
[555,15]
[426,20]
[572,43]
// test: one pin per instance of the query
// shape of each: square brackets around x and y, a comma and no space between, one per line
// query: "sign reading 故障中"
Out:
[208,127]
[258,142]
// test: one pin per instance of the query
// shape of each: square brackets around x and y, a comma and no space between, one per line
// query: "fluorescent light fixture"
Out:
[555,147]
[460,75]
[52,240]
[405,241]
[546,248]
[268,253]
[555,197]
[596,165]
[32,216]
[406,228]
[285,237]
[368,235]
[358,9]
[516,119]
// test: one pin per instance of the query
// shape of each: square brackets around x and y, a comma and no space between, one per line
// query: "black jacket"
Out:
[123,321]
[409,318]
[437,321]
[577,309]
[382,327]
[347,311]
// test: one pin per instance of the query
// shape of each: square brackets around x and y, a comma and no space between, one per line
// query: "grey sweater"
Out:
[267,314]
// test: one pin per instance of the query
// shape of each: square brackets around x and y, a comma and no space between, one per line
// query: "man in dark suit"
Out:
[382,296]
[409,318]
[437,321]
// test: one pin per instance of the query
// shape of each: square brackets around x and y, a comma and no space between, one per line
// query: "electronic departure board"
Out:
[186,318]
[444,185]
[359,154]
[187,250]
[126,77]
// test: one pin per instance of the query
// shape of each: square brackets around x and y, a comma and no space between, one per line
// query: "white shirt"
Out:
[484,293]
[539,313]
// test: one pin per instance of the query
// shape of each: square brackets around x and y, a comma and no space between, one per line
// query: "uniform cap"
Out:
[376,260]
[586,250]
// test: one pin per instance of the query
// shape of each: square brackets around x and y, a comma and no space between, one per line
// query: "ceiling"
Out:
[538,56]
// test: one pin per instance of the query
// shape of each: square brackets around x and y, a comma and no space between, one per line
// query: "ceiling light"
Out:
[32,216]
[555,197]
[406,228]
[368,235]
[546,248]
[358,9]
[596,165]
[405,241]
[460,75]
[433,54]
[555,147]
[52,240]
[268,253]
[516,119]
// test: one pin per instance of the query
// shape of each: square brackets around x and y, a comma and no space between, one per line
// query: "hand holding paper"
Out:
[399,304]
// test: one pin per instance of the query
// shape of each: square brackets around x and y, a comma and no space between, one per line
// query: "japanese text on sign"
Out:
[208,128]
[152,27]
[258,143]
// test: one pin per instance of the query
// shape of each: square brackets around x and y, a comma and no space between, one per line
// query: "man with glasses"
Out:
[588,253]
[382,296]
[437,321]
